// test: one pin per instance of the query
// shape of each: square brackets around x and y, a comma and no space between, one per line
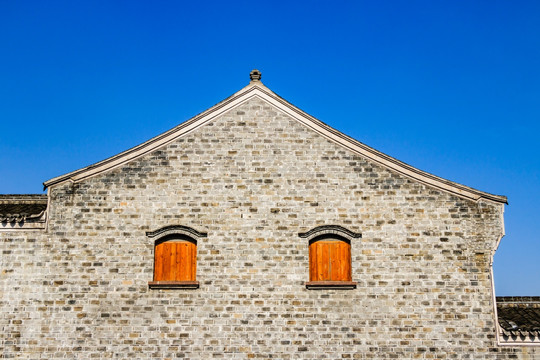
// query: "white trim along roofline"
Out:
[256,89]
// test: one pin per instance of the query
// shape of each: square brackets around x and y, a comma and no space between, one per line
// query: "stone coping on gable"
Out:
[257,89]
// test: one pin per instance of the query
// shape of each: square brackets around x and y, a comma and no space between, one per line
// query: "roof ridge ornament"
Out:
[255,75]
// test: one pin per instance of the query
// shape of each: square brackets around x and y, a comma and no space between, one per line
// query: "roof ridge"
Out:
[517,299]
[18,198]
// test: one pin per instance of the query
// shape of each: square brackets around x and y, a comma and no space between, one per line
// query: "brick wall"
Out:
[252,179]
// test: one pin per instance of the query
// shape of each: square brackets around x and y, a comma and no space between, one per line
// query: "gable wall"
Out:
[253,179]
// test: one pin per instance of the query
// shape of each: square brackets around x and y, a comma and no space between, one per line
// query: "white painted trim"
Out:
[49,201]
[503,231]
[19,229]
[519,343]
[498,330]
[491,274]
[257,89]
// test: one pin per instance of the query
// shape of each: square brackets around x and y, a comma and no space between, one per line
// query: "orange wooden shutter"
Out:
[158,262]
[186,261]
[330,260]
[175,261]
[341,261]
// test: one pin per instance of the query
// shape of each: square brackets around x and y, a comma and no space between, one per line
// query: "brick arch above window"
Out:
[176,229]
[328,230]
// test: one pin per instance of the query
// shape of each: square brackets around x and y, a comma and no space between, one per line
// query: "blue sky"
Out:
[452,88]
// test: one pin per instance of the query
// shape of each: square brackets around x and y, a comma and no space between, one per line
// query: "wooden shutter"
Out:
[330,260]
[175,260]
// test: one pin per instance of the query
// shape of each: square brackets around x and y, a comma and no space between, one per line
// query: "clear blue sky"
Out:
[450,87]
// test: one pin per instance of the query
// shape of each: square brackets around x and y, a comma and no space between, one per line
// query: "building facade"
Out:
[252,231]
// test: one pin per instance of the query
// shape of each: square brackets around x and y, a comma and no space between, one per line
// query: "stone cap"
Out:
[255,75]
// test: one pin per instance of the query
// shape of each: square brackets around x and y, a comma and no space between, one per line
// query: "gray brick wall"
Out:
[252,179]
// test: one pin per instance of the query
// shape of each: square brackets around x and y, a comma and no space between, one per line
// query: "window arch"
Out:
[330,263]
[175,257]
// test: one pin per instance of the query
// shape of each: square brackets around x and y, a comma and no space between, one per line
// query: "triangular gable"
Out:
[256,89]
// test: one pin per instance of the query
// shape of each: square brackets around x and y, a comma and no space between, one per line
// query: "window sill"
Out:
[323,285]
[173,285]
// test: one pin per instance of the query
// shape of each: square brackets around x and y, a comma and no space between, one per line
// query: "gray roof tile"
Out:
[17,208]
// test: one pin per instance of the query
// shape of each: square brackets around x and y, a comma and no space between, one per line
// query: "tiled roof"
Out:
[519,317]
[18,208]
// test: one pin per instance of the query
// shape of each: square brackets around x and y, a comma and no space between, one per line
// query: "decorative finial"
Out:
[255,75]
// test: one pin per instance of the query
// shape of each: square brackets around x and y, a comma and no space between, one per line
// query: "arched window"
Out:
[330,264]
[175,258]
[330,259]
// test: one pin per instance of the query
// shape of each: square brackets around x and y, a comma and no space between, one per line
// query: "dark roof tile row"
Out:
[519,316]
[17,208]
